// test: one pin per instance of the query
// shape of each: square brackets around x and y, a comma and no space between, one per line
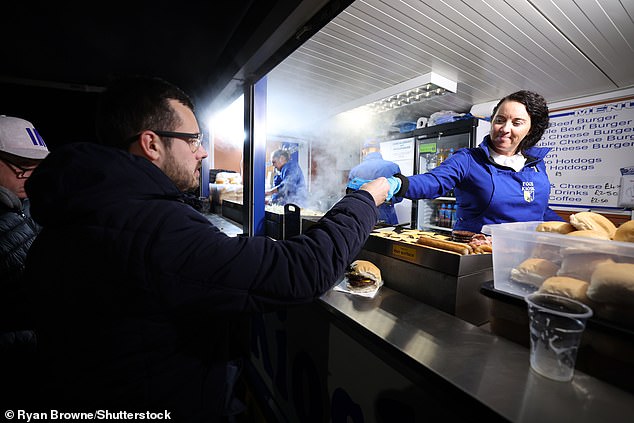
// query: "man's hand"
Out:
[378,188]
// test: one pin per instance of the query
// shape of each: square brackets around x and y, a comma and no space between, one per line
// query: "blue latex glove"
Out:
[395,185]
[356,183]
[394,182]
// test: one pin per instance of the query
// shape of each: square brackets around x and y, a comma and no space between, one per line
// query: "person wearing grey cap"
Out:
[374,166]
[21,150]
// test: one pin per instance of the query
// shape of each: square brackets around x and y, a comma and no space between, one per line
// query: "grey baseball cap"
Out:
[20,138]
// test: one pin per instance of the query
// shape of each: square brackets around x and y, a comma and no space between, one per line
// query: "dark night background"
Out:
[56,57]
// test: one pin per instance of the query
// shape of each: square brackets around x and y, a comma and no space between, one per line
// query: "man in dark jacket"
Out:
[21,150]
[133,286]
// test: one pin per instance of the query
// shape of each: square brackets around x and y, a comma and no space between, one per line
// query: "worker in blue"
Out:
[289,185]
[373,166]
[503,179]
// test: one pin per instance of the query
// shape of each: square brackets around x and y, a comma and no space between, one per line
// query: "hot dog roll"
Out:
[455,247]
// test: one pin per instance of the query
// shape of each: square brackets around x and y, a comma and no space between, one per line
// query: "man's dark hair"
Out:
[133,104]
[538,111]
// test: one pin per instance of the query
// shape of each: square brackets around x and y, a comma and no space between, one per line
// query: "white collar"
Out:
[515,162]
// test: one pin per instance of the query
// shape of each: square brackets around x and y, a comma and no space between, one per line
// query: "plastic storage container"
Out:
[515,242]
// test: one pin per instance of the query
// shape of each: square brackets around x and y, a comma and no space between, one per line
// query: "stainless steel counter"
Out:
[495,372]
[449,356]
[225,225]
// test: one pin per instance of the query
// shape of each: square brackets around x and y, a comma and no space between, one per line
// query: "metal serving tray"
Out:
[442,261]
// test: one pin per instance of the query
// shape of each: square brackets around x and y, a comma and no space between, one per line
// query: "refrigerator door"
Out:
[432,148]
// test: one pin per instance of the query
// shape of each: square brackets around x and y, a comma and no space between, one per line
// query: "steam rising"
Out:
[335,146]
[332,143]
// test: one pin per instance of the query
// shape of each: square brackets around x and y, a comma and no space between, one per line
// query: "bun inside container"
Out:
[566,287]
[625,232]
[613,283]
[555,226]
[363,276]
[590,233]
[534,271]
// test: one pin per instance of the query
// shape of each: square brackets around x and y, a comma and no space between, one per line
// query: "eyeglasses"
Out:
[20,171]
[194,140]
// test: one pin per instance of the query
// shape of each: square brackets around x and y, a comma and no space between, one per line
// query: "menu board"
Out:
[591,145]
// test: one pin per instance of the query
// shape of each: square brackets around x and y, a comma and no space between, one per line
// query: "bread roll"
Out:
[593,221]
[625,232]
[590,233]
[533,271]
[612,283]
[581,266]
[555,226]
[566,287]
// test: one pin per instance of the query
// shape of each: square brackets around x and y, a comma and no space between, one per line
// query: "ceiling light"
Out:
[415,90]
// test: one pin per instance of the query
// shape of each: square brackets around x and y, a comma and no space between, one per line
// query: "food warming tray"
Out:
[440,260]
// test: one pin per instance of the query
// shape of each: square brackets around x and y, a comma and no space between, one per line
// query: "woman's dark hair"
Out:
[133,104]
[538,111]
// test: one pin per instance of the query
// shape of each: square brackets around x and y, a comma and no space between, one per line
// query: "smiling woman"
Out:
[502,180]
[510,124]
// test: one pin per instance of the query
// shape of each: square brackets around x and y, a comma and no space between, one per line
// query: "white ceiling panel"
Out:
[562,49]
[602,30]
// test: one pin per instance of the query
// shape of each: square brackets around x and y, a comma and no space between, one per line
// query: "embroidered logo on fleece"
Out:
[529,191]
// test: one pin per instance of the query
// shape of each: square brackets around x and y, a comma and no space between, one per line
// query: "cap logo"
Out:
[35,136]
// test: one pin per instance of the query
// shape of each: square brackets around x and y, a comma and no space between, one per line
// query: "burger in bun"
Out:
[533,271]
[593,221]
[363,276]
[555,226]
[625,232]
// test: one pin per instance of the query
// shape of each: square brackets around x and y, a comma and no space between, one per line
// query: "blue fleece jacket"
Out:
[486,192]
[291,186]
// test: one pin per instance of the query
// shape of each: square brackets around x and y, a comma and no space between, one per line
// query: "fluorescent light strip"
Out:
[411,91]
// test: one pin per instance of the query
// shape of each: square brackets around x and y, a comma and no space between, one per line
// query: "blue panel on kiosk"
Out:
[259,156]
[204,171]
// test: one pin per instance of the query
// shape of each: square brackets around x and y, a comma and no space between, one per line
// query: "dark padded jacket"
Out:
[18,341]
[133,286]
[17,232]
